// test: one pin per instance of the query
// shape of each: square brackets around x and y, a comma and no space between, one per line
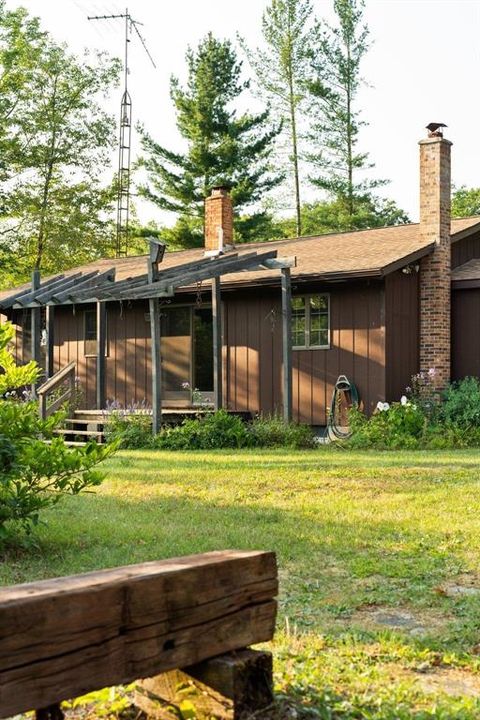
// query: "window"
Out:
[90,332]
[311,321]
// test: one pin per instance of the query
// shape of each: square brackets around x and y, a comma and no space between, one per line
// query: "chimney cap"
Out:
[435,129]
[220,189]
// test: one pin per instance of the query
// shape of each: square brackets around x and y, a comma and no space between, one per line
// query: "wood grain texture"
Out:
[64,637]
[232,686]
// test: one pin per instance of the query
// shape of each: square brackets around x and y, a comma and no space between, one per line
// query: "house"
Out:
[375,305]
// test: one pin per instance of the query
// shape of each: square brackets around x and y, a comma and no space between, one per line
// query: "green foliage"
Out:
[461,404]
[12,376]
[35,474]
[132,430]
[223,146]
[275,432]
[58,142]
[214,430]
[428,420]
[465,202]
[327,216]
[281,66]
[399,425]
[129,429]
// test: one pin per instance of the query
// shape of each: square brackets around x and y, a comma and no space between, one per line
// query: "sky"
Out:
[423,66]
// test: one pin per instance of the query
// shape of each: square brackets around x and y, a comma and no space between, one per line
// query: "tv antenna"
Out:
[125,135]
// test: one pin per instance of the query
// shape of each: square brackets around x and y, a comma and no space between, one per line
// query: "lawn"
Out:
[378,554]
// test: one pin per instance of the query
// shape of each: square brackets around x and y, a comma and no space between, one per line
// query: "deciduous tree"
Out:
[340,167]
[282,69]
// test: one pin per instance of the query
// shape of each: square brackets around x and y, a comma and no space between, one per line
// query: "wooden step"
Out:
[72,431]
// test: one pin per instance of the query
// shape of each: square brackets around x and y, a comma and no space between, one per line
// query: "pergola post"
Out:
[217,344]
[50,360]
[35,326]
[156,365]
[101,347]
[157,250]
[287,343]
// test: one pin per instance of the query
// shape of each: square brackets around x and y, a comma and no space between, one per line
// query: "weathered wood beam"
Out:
[233,686]
[68,636]
[44,290]
[106,277]
[101,353]
[280,263]
[287,343]
[50,328]
[10,300]
[217,344]
[215,268]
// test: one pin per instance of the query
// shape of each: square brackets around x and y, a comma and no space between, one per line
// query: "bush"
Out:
[129,430]
[399,425]
[214,430]
[461,404]
[35,474]
[275,432]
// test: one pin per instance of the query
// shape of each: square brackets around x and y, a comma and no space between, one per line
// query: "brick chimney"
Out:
[435,216]
[218,221]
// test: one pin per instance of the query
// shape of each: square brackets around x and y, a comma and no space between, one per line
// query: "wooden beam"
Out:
[99,280]
[50,328]
[101,352]
[36,326]
[68,636]
[45,290]
[287,343]
[233,686]
[156,342]
[217,344]
[280,262]
[214,268]
[11,299]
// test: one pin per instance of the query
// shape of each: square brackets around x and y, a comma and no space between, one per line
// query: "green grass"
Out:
[359,536]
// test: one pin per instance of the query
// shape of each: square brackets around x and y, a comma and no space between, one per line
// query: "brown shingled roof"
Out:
[363,253]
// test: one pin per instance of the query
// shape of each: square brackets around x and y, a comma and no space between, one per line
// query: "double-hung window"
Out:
[311,321]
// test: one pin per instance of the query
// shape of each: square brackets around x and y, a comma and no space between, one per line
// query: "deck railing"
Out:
[64,378]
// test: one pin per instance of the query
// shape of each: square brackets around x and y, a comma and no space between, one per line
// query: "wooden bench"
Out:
[65,637]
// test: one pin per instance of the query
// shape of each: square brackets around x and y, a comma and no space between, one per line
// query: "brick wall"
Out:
[218,214]
[435,216]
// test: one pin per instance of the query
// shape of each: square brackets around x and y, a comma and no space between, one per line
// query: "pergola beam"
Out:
[217,344]
[9,302]
[287,344]
[85,283]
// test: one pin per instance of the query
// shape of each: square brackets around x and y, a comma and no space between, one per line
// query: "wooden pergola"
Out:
[101,287]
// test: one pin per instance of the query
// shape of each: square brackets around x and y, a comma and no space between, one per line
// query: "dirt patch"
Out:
[451,682]
[415,623]
[467,584]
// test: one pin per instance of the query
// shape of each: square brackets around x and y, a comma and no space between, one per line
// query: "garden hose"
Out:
[346,390]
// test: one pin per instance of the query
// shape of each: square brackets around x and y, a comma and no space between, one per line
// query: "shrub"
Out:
[275,432]
[129,430]
[34,475]
[399,425]
[461,404]
[214,430]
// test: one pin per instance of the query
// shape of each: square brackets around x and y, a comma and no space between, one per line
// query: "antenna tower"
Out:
[125,136]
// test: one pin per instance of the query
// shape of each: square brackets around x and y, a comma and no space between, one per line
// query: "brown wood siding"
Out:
[254,352]
[402,331]
[465,333]
[466,249]
[128,364]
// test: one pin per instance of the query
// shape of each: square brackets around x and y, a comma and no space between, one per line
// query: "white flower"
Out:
[383,406]
[386,406]
[379,406]
[404,400]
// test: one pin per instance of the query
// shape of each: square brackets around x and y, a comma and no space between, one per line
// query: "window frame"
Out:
[86,340]
[308,328]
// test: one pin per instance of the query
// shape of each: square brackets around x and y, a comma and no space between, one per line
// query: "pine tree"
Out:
[223,147]
[282,68]
[334,89]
